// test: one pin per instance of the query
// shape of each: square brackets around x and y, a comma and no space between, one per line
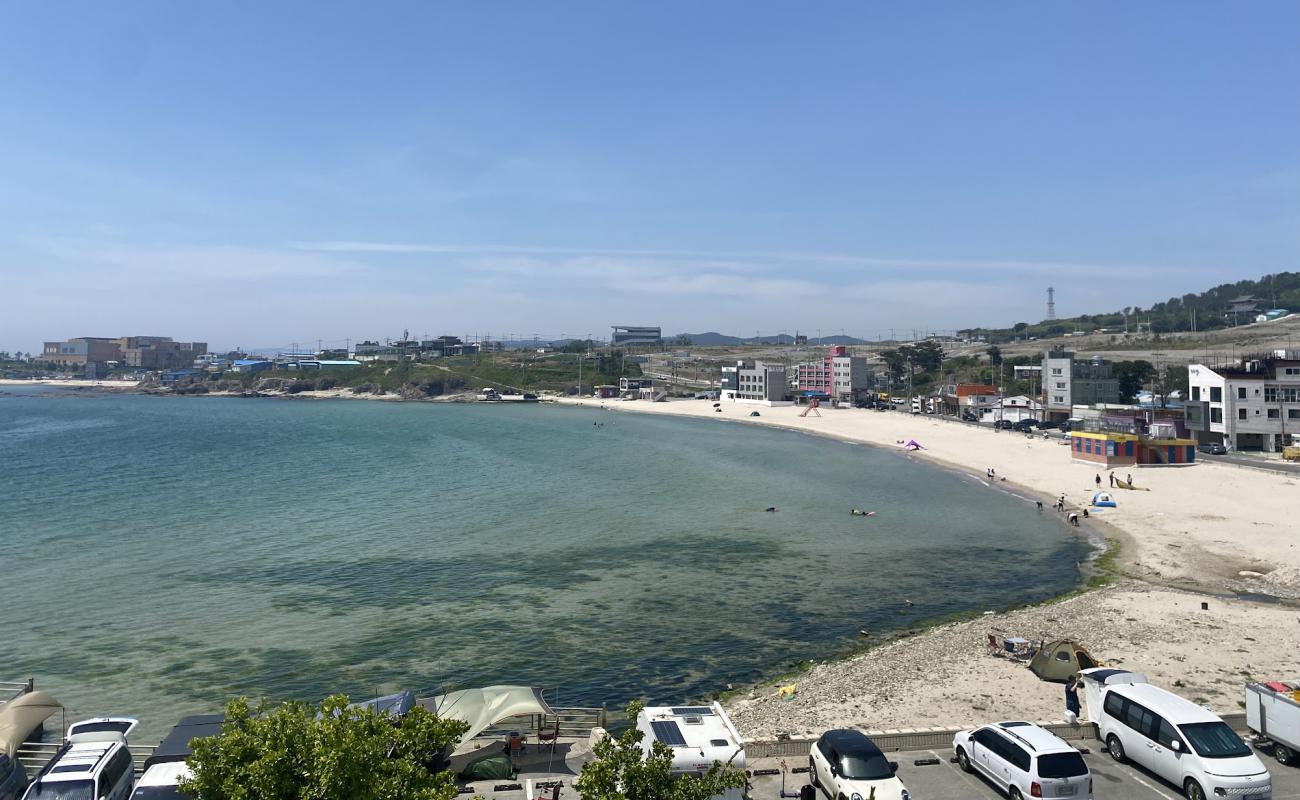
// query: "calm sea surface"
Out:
[163,554]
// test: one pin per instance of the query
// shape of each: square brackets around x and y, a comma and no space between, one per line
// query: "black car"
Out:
[1047,425]
[1025,425]
[969,417]
[1003,425]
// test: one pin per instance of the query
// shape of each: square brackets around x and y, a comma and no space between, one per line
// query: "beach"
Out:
[1184,542]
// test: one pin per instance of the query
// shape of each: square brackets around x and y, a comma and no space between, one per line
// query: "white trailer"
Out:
[698,737]
[1273,715]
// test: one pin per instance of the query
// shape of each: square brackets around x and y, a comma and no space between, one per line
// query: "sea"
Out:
[160,555]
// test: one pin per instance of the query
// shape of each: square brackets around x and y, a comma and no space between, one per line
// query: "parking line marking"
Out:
[1132,773]
[956,768]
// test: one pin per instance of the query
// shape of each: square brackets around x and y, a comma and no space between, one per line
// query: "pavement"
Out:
[935,779]
[1254,462]
[946,781]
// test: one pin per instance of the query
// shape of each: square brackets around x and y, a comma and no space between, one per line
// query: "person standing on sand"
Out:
[1098,480]
[1072,700]
[1112,479]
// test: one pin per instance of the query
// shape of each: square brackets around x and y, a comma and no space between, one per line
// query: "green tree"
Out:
[292,752]
[1131,376]
[1020,327]
[995,355]
[623,770]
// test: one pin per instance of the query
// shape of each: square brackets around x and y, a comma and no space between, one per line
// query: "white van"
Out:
[1176,739]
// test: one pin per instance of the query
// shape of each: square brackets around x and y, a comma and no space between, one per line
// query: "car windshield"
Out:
[62,790]
[1061,765]
[1214,740]
[866,768]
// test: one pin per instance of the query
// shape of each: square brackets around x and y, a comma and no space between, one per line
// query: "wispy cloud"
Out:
[753,257]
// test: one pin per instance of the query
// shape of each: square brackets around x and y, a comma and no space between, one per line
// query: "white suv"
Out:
[93,764]
[846,765]
[1024,760]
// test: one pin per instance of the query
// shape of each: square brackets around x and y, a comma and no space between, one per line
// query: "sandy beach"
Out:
[1185,541]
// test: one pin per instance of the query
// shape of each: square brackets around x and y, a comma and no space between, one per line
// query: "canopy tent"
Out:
[912,444]
[1058,660]
[483,708]
[20,717]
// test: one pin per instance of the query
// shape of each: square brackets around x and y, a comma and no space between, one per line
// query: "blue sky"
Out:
[254,173]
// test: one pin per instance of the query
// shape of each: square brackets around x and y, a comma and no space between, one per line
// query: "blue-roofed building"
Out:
[250,365]
[177,375]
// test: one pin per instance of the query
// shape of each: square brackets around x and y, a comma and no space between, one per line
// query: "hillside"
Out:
[1199,313]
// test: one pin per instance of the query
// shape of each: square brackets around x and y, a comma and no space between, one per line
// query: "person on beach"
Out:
[1098,480]
[1130,480]
[1072,700]
[1112,479]
[1074,518]
[1040,505]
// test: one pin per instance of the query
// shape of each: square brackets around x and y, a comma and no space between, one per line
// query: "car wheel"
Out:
[1015,794]
[1282,753]
[963,760]
[1115,748]
[812,773]
[1193,790]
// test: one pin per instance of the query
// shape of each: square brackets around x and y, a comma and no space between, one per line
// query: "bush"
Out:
[325,384]
[364,388]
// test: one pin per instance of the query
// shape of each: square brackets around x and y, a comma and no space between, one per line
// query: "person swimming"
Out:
[770,508]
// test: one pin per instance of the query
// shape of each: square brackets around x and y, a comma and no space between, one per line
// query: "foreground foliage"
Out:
[293,752]
[622,770]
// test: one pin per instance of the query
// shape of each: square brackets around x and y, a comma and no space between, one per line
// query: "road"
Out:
[1253,462]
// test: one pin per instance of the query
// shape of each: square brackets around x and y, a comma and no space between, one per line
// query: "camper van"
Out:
[1178,740]
[698,736]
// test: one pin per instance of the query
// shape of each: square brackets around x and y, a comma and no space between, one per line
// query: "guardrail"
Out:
[11,689]
[35,755]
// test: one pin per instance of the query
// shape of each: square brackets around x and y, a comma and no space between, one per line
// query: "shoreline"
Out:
[1128,608]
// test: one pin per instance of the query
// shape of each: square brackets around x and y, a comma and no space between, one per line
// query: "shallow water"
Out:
[163,554]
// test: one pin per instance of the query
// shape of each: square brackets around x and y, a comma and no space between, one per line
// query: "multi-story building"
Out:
[159,352]
[637,334]
[838,375]
[1069,382]
[81,351]
[1253,405]
[754,382]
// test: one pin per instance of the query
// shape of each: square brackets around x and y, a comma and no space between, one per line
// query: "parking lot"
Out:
[945,781]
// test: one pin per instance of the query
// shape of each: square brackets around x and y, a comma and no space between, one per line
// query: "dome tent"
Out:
[1058,660]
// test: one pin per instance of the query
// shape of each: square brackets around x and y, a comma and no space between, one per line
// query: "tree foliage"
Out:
[623,770]
[292,752]
[1132,375]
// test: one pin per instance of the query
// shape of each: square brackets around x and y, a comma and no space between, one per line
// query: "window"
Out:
[1216,394]
[1061,765]
[1196,393]
[1138,718]
[866,767]
[118,766]
[1241,413]
[1216,415]
[1293,413]
[1165,733]
[1058,399]
[1115,706]
[1241,392]
[1214,740]
[1273,413]
[1056,370]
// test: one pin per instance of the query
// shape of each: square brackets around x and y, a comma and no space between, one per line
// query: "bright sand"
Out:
[1197,527]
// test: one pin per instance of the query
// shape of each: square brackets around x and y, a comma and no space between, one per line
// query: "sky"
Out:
[255,174]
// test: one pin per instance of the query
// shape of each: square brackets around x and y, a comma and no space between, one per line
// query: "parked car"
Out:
[1172,737]
[166,766]
[1024,760]
[969,417]
[845,764]
[1048,425]
[1213,448]
[1003,424]
[93,762]
[1025,425]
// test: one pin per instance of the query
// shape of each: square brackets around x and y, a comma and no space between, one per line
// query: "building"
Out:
[250,365]
[175,376]
[1246,306]
[754,382]
[1254,405]
[1121,441]
[159,352]
[1027,372]
[1069,382]
[1014,409]
[837,376]
[635,334]
[81,351]
[635,384]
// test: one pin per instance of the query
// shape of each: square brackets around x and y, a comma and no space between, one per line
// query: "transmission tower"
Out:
[1051,303]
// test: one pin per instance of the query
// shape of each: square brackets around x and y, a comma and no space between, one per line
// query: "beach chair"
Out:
[549,736]
[994,646]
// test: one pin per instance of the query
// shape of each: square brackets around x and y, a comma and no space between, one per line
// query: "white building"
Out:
[754,382]
[1251,406]
[1014,409]
[1069,382]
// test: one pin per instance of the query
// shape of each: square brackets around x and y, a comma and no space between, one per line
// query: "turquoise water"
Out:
[163,554]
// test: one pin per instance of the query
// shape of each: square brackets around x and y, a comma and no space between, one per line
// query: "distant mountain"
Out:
[715,339]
